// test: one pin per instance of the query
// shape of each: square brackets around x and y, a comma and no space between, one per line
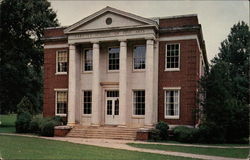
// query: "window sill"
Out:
[172,69]
[61,115]
[86,115]
[113,71]
[138,116]
[139,70]
[61,73]
[87,72]
[172,117]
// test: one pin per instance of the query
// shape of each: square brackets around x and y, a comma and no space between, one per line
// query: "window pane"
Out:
[88,60]
[87,104]
[172,56]
[114,58]
[172,102]
[139,57]
[139,102]
[62,61]
[61,102]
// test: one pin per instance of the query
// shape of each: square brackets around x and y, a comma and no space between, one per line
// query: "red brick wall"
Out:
[182,21]
[54,32]
[51,81]
[186,78]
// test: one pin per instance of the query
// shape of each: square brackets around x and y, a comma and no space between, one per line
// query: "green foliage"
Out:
[23,122]
[21,51]
[25,105]
[35,125]
[225,107]
[47,127]
[155,134]
[163,128]
[185,134]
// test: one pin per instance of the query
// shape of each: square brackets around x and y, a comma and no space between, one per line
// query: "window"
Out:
[62,61]
[114,58]
[139,102]
[88,60]
[87,102]
[139,57]
[61,102]
[172,58]
[172,103]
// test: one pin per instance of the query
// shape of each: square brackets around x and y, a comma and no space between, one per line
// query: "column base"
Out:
[71,124]
[95,125]
[122,126]
[149,126]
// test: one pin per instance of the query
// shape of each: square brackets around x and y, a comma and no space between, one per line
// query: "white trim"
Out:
[52,46]
[60,90]
[184,37]
[179,94]
[138,70]
[61,73]
[134,115]
[179,59]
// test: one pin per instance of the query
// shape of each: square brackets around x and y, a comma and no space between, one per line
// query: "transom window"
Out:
[114,58]
[61,102]
[172,58]
[139,57]
[139,102]
[112,93]
[88,60]
[62,61]
[87,102]
[172,103]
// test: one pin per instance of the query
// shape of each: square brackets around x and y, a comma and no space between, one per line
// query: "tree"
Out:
[22,26]
[226,105]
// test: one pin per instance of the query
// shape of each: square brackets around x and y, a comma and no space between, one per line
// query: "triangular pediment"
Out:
[109,18]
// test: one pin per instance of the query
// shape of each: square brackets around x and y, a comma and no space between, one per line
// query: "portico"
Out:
[102,80]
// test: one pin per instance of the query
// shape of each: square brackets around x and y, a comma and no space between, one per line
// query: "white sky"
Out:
[216,17]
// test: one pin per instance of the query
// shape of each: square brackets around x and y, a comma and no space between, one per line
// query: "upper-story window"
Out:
[172,57]
[139,57]
[114,58]
[88,60]
[62,61]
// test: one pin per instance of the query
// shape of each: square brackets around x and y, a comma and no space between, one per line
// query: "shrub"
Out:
[23,122]
[163,128]
[35,125]
[185,134]
[47,127]
[155,134]
[60,120]
[25,105]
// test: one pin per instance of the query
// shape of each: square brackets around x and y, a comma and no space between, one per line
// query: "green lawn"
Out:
[224,152]
[13,147]
[7,124]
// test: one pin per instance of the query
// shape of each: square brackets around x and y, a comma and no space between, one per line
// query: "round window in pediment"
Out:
[108,21]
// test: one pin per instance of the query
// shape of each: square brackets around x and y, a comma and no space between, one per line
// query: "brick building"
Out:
[117,68]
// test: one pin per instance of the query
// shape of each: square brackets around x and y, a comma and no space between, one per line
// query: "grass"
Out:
[223,152]
[7,124]
[13,147]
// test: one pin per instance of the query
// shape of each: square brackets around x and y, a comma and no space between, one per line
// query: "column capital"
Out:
[122,39]
[94,42]
[123,44]
[72,46]
[150,42]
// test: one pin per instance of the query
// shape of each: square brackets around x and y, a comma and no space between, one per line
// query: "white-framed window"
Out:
[62,62]
[139,57]
[172,57]
[87,102]
[61,101]
[88,60]
[139,102]
[114,58]
[172,103]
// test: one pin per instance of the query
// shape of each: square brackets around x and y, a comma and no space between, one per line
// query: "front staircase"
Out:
[103,132]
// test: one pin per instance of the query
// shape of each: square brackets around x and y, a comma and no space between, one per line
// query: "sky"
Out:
[216,17]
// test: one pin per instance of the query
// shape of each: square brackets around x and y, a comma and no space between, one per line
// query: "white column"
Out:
[123,83]
[149,102]
[96,86]
[72,84]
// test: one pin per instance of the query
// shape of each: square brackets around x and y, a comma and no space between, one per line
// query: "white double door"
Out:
[112,115]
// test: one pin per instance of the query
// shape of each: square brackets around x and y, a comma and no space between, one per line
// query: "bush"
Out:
[35,125]
[47,127]
[155,134]
[185,134]
[163,128]
[23,122]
